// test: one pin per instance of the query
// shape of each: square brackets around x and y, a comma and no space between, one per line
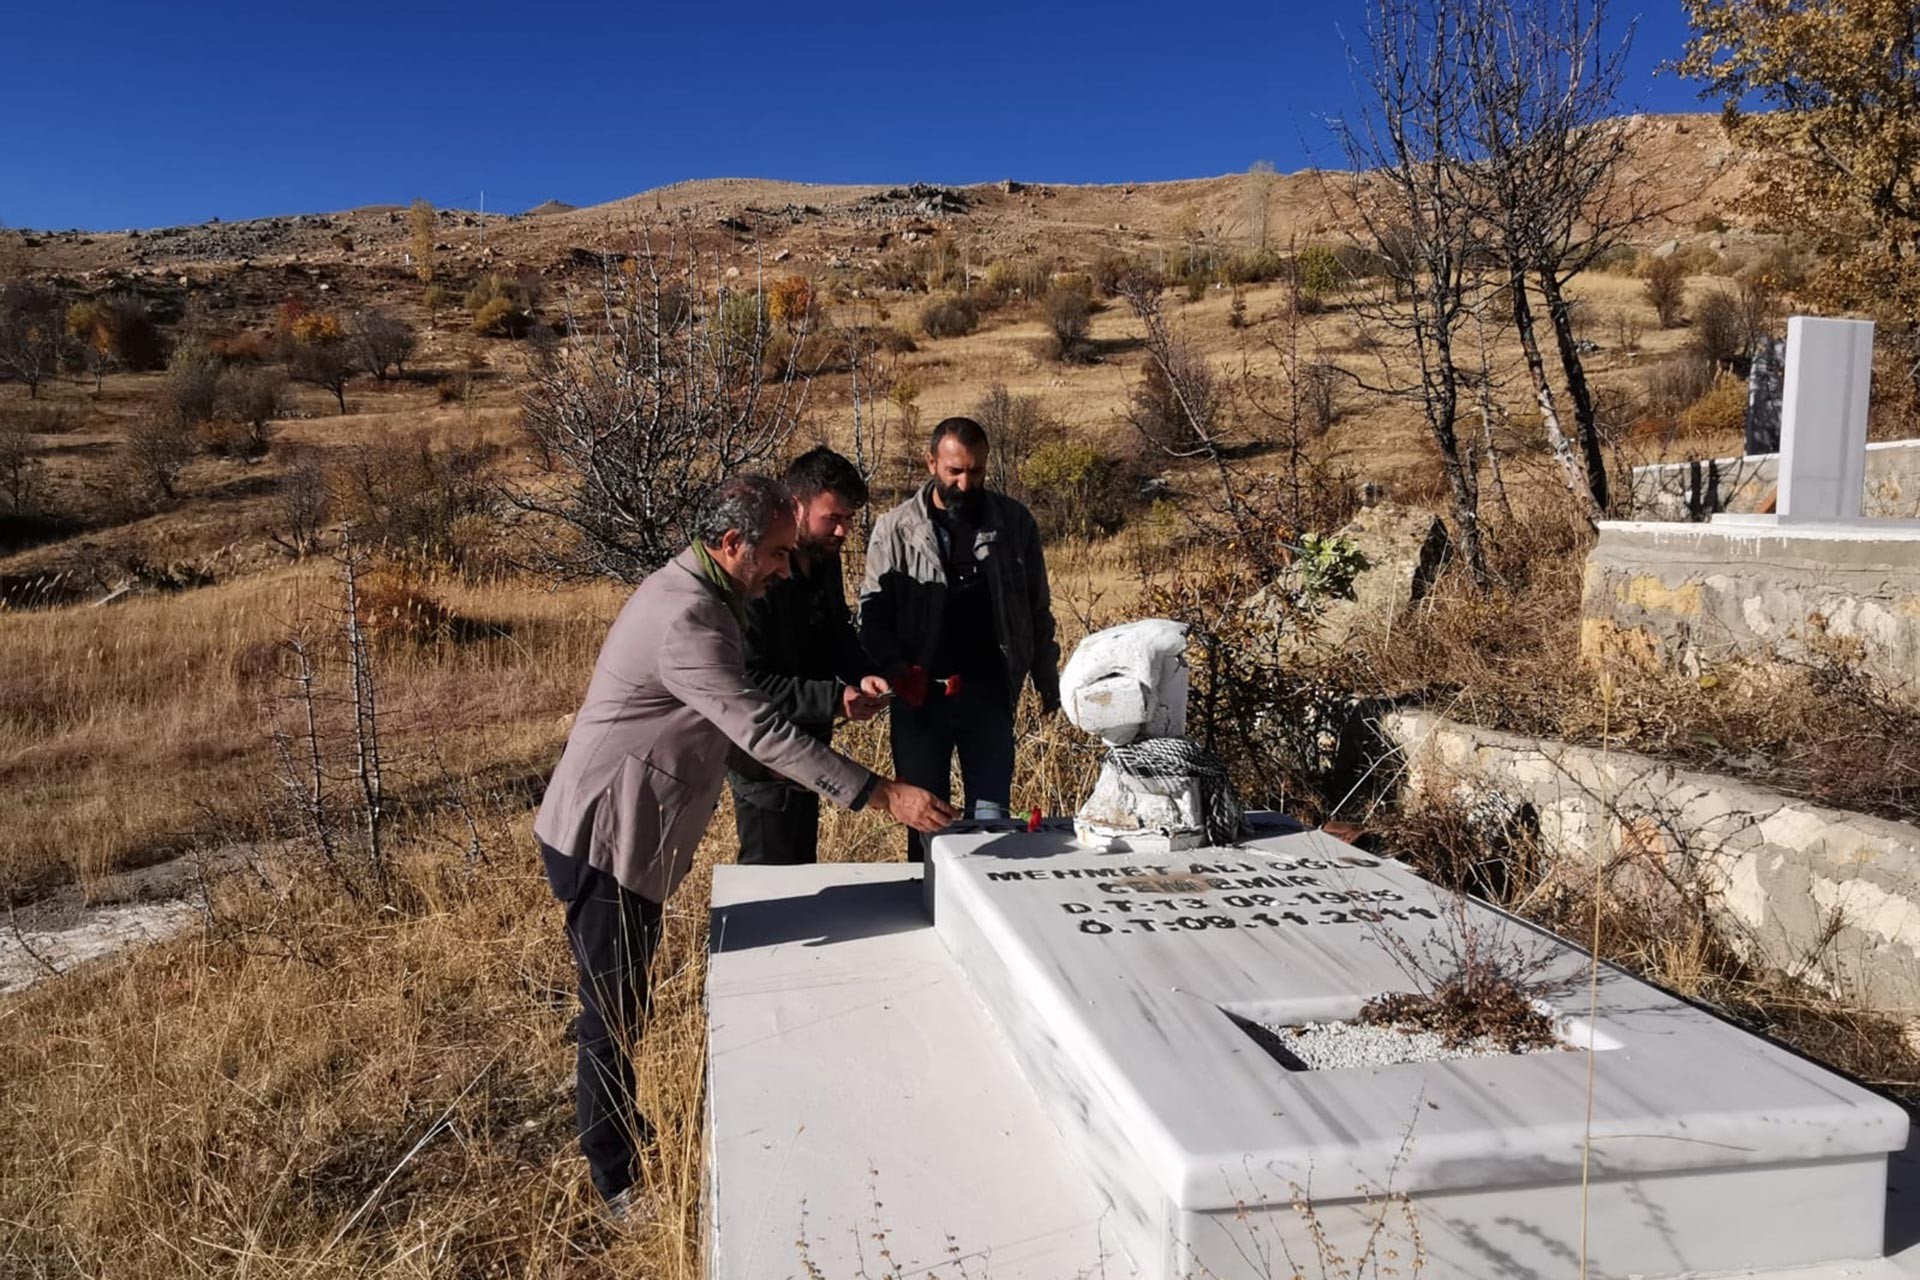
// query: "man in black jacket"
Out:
[802,649]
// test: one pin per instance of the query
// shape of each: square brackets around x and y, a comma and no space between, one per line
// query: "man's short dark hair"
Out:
[749,503]
[820,470]
[971,435]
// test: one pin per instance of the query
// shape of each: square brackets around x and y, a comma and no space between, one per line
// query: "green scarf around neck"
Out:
[722,582]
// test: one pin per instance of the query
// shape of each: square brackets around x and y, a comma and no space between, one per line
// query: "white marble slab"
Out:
[849,1064]
[1113,978]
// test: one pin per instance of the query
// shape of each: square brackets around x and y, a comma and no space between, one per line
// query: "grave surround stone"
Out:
[1119,982]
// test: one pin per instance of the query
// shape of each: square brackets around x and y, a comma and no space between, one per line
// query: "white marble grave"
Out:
[1823,418]
[862,1116]
[1119,982]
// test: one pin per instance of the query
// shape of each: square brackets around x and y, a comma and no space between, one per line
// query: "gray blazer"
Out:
[647,756]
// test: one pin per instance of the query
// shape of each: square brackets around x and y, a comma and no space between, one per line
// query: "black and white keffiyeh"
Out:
[1181,758]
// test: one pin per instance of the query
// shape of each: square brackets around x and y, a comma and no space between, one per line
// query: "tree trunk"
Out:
[1577,389]
[340,394]
[1557,441]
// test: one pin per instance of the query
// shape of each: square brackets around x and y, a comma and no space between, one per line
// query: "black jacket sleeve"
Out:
[800,699]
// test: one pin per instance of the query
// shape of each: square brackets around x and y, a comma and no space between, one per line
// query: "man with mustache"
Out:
[641,774]
[956,611]
[801,648]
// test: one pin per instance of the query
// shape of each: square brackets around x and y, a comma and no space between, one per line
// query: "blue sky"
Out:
[145,114]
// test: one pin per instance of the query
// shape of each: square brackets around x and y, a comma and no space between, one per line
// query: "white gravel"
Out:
[1331,1046]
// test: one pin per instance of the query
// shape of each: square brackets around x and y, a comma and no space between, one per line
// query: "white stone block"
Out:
[1823,424]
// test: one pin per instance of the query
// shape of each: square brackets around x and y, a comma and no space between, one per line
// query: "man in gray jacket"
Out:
[641,775]
[956,613]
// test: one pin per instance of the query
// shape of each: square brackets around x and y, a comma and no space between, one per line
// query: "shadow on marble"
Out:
[1903,1196]
[833,914]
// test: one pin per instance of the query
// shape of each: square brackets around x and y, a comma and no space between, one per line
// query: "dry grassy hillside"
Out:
[353,1069]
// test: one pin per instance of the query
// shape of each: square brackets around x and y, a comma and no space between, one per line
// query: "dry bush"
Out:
[1666,288]
[1015,426]
[408,496]
[951,317]
[191,393]
[396,603]
[1675,383]
[502,306]
[1069,314]
[1721,411]
[1077,489]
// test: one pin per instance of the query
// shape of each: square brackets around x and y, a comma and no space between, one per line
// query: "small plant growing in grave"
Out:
[1327,566]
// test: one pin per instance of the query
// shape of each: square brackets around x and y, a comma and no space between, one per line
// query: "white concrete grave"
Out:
[1124,986]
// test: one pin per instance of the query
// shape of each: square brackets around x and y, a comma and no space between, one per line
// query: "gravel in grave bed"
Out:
[1331,1046]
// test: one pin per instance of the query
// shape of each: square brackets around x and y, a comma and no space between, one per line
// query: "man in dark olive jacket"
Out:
[801,648]
[956,611]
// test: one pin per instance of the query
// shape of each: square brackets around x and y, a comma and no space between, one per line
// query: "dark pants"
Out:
[613,932]
[977,725]
[778,823]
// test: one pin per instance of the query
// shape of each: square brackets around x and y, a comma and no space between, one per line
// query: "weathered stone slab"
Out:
[1826,895]
[1690,595]
[1120,985]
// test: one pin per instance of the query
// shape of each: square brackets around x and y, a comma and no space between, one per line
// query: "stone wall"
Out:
[1692,595]
[1824,894]
[1698,489]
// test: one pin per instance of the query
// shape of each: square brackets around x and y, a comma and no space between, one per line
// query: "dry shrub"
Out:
[1721,411]
[1666,288]
[1069,313]
[397,603]
[249,346]
[1674,384]
[951,317]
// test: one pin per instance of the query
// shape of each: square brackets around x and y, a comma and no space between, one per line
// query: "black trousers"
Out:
[613,933]
[978,725]
[778,823]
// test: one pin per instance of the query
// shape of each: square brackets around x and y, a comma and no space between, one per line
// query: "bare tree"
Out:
[1410,192]
[33,333]
[255,397]
[380,339]
[305,498]
[20,470]
[158,450]
[325,362]
[1545,91]
[644,415]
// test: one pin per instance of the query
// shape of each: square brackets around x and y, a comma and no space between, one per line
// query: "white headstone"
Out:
[1823,418]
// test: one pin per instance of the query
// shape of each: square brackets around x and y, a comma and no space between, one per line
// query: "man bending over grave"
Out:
[955,610]
[802,649]
[640,777]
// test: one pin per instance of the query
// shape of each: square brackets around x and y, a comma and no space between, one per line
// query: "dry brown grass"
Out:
[135,732]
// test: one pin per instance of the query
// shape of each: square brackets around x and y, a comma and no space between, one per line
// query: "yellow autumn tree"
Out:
[420,227]
[1837,87]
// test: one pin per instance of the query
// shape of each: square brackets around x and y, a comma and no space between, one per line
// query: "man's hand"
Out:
[864,700]
[911,806]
